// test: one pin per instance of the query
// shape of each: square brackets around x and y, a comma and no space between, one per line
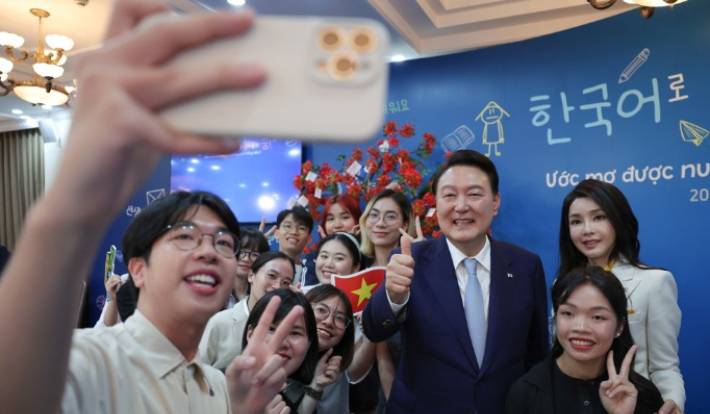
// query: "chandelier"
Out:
[46,66]
[647,7]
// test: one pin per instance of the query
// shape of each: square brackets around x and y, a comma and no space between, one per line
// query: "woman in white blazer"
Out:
[599,227]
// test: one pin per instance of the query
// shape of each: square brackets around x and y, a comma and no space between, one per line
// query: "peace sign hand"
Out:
[617,394]
[257,375]
[417,229]
[262,226]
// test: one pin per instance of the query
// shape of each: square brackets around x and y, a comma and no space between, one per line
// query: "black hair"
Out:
[254,240]
[346,347]
[300,216]
[613,291]
[617,209]
[468,158]
[153,221]
[346,241]
[269,256]
[405,206]
[289,300]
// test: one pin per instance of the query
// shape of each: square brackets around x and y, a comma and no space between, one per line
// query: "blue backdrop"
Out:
[158,185]
[623,100]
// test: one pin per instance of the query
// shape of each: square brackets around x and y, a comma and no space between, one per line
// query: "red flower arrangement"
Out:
[366,173]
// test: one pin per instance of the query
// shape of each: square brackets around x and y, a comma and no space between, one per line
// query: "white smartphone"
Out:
[327,81]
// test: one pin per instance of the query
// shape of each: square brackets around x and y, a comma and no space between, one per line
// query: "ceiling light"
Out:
[647,7]
[654,3]
[17,111]
[398,58]
[40,90]
[237,2]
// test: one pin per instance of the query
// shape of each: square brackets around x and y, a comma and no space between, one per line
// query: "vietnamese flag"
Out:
[360,286]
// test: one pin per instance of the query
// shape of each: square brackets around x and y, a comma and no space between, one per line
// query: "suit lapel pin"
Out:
[510,275]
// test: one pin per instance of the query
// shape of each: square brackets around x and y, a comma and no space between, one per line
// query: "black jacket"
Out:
[533,392]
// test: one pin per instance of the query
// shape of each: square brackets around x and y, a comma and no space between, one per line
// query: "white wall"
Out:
[53,150]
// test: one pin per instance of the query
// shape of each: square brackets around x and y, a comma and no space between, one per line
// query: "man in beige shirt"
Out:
[180,254]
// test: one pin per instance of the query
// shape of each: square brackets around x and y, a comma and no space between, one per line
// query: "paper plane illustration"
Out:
[692,133]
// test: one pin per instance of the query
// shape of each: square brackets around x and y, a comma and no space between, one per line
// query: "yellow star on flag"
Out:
[365,291]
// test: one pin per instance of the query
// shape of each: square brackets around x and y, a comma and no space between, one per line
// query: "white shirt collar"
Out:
[483,257]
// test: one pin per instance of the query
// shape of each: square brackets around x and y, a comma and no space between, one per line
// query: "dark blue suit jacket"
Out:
[438,372]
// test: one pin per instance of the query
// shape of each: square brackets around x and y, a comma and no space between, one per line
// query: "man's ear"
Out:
[250,333]
[250,277]
[137,267]
[496,204]
[276,234]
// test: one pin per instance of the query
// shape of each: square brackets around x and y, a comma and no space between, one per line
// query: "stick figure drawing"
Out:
[492,115]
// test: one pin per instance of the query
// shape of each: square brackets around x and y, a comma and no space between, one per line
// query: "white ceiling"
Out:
[420,28]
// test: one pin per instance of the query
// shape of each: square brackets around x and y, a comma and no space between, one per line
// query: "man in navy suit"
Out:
[447,367]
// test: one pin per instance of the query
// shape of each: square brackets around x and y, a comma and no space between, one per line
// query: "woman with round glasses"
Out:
[386,216]
[222,339]
[253,244]
[329,391]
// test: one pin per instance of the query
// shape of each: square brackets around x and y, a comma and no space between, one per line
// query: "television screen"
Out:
[256,182]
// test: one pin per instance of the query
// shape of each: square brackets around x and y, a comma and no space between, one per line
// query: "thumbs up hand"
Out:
[400,271]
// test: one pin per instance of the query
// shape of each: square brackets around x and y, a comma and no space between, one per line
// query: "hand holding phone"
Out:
[327,81]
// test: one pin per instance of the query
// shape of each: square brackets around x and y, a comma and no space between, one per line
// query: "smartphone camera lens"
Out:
[330,38]
[342,66]
[363,39]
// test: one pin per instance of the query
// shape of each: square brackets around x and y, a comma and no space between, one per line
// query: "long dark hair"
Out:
[613,291]
[289,300]
[265,258]
[346,347]
[617,209]
[254,239]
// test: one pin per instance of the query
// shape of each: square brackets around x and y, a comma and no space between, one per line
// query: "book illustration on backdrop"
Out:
[492,114]
[461,138]
[360,286]
[692,133]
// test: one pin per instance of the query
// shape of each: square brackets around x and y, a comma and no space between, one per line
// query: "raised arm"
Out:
[115,142]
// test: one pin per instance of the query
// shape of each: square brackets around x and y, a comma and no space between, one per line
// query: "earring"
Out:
[618,334]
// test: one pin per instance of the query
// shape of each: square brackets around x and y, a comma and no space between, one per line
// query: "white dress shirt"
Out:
[483,273]
[100,323]
[132,368]
[222,340]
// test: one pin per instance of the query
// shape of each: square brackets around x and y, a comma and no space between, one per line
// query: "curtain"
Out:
[21,180]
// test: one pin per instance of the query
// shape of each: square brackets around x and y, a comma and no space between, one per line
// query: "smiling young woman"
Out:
[590,368]
[598,226]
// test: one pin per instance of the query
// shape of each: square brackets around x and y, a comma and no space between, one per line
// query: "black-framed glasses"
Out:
[288,227]
[186,236]
[253,255]
[389,218]
[322,312]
